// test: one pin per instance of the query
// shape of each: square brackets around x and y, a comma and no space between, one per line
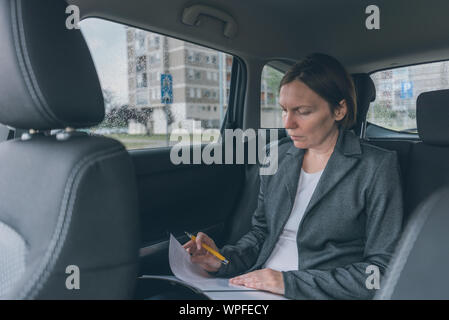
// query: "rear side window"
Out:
[154,84]
[397,91]
[270,111]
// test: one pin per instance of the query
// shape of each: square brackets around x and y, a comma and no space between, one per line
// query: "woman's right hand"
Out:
[201,256]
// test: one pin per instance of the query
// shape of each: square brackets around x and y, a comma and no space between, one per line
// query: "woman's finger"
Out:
[199,259]
[254,284]
[200,237]
[249,282]
[203,238]
[238,280]
[206,261]
[191,248]
[188,244]
[245,278]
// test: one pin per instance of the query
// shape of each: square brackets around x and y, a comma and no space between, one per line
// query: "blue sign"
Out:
[406,89]
[166,88]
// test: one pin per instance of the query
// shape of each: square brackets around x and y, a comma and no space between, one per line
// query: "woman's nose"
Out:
[289,122]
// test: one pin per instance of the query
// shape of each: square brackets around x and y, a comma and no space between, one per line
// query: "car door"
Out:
[145,112]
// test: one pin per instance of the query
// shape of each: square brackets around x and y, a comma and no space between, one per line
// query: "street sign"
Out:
[166,88]
[406,89]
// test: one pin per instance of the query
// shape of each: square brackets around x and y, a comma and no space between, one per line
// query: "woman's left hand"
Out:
[264,279]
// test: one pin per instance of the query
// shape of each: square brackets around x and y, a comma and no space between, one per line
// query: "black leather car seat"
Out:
[66,199]
[419,268]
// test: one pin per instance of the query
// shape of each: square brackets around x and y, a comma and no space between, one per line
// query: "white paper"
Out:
[243,295]
[189,274]
[183,268]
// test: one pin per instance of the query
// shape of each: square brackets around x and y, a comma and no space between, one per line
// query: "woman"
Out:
[331,215]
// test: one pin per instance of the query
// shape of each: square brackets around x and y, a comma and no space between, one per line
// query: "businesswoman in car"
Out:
[328,220]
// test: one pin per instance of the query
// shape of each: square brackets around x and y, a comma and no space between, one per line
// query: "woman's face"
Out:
[307,117]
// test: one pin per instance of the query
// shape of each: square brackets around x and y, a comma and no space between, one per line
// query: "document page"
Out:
[194,275]
[197,279]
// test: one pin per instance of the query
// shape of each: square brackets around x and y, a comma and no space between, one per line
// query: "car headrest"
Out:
[47,77]
[365,92]
[432,117]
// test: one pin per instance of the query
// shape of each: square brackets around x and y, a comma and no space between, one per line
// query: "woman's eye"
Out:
[304,113]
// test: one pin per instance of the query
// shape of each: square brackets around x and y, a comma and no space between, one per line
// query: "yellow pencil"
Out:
[205,246]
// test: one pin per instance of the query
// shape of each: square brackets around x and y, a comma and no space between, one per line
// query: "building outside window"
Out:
[140,42]
[142,98]
[142,80]
[141,64]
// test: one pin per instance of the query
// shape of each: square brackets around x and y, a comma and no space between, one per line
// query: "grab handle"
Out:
[192,15]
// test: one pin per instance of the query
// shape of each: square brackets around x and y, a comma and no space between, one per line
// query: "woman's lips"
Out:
[296,137]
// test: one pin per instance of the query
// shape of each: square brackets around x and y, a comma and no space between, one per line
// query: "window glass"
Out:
[270,111]
[142,80]
[130,63]
[397,91]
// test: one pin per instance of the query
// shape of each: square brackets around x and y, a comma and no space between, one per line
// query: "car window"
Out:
[4,132]
[397,91]
[154,84]
[270,112]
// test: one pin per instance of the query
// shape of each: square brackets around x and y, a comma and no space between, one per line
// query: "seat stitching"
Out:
[25,64]
[63,221]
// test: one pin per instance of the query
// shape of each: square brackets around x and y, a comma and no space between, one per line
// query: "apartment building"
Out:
[200,86]
[271,114]
[398,89]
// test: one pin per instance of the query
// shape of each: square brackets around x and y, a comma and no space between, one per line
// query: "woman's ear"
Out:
[341,110]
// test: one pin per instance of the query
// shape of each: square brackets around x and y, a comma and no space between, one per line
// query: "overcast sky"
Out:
[107,44]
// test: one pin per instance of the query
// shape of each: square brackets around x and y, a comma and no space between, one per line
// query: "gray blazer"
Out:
[353,220]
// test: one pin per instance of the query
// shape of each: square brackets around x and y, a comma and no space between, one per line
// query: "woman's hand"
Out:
[264,279]
[201,256]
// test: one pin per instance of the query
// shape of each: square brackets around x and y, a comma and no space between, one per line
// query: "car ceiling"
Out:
[411,31]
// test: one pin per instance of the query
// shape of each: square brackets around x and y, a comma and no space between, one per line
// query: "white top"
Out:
[285,253]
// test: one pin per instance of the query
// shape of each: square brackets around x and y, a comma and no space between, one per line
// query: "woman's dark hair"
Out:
[327,77]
